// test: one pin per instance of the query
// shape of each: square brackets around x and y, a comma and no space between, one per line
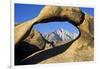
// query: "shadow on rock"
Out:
[46,54]
[22,50]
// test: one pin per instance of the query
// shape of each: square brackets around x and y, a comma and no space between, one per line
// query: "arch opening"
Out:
[58,33]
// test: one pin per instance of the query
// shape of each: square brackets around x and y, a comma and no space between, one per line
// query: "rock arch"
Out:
[56,14]
[79,19]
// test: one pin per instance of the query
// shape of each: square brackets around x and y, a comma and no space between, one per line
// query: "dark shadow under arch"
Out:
[43,55]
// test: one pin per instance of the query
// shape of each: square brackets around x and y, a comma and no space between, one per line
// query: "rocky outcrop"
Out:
[35,38]
[22,30]
[80,49]
[58,13]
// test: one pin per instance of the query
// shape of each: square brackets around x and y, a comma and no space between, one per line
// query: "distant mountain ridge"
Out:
[60,35]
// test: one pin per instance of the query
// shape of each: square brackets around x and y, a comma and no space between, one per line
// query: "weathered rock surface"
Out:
[35,38]
[80,49]
[73,14]
[22,30]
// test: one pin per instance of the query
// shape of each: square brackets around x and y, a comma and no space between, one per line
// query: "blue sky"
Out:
[24,12]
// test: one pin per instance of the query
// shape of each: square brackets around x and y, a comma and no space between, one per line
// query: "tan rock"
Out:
[22,30]
[35,38]
[68,13]
[80,49]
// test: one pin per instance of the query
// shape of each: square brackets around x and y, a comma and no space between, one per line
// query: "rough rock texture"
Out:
[35,38]
[72,14]
[33,43]
[22,30]
[80,49]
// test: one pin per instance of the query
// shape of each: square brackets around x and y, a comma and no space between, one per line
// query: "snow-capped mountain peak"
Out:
[60,35]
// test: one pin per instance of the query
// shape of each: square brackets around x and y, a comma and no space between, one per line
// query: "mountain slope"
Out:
[59,36]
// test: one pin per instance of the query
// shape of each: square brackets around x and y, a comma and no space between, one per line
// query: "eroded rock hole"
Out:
[57,33]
